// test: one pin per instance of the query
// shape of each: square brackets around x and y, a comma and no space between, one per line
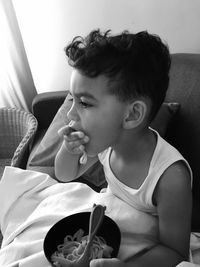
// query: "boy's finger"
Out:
[71,138]
[65,130]
[74,144]
[79,149]
[111,262]
[75,150]
[71,135]
[77,137]
[78,134]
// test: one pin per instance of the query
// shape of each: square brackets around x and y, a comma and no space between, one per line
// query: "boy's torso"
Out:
[141,190]
[133,173]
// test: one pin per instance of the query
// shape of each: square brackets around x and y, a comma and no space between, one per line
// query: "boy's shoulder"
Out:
[176,175]
[174,183]
[167,157]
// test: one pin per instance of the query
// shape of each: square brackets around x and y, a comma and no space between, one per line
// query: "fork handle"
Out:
[96,218]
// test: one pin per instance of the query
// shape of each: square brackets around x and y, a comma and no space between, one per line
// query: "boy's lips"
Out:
[73,126]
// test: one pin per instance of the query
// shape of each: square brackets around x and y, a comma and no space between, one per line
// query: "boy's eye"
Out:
[84,104]
[81,102]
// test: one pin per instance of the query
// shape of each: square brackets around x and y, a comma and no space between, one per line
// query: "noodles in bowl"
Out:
[68,237]
[73,247]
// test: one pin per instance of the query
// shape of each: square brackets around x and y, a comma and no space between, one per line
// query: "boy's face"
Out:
[95,112]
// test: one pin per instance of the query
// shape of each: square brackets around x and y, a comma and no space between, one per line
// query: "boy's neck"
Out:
[134,146]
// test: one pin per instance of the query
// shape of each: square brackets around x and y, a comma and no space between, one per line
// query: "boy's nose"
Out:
[72,114]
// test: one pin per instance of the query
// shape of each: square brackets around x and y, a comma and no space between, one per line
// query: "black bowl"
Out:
[109,230]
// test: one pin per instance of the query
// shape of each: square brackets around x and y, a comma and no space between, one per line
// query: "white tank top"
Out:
[164,155]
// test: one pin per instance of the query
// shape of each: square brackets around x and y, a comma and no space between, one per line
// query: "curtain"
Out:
[16,83]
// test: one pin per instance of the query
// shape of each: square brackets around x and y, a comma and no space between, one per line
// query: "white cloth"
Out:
[187,264]
[31,202]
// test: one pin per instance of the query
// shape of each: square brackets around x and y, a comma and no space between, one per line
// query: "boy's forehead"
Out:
[80,83]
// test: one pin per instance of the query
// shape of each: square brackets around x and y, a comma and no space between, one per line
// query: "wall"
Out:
[48,25]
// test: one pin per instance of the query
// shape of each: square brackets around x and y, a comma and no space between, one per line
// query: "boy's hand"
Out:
[74,140]
[114,262]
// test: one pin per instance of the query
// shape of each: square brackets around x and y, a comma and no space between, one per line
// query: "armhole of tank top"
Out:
[159,175]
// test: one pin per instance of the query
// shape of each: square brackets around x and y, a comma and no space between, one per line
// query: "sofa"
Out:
[181,128]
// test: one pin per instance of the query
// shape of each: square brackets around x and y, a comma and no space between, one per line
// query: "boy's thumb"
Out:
[96,263]
[105,262]
[64,130]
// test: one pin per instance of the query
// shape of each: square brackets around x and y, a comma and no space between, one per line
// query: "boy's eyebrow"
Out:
[85,94]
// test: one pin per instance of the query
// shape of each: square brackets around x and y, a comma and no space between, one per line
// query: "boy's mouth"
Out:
[73,127]
[71,124]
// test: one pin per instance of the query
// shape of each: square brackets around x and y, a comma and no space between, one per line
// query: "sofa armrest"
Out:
[45,106]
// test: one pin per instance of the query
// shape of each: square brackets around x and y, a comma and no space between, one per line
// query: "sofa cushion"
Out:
[43,154]
[184,131]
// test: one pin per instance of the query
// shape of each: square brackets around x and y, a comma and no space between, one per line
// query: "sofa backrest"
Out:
[184,131]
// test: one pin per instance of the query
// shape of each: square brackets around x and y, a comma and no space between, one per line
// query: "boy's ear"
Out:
[135,114]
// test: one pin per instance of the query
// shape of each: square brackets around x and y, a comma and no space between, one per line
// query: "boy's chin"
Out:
[93,154]
[94,151]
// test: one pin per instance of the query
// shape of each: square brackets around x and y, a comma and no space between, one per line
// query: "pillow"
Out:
[42,157]
[164,117]
[45,152]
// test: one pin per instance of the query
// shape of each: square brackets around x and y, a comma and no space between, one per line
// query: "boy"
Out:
[117,86]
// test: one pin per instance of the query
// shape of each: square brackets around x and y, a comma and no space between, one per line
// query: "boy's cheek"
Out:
[94,147]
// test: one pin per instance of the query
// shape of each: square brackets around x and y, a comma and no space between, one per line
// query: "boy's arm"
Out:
[174,204]
[67,160]
[173,197]
[67,165]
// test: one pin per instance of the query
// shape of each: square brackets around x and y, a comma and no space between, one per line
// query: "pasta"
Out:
[74,246]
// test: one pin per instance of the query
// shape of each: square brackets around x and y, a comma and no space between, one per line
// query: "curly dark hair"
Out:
[136,64]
